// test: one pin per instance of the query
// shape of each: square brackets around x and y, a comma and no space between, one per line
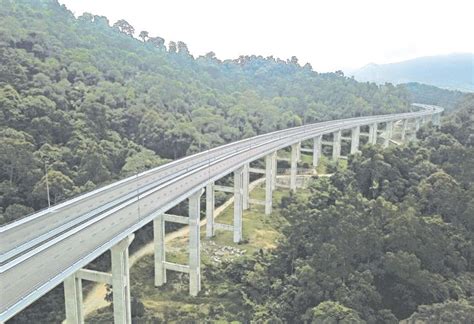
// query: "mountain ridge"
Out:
[452,71]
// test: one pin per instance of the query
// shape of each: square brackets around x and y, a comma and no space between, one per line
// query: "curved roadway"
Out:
[40,251]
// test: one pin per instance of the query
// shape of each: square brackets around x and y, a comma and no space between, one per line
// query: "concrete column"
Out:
[355,136]
[388,133]
[417,127]
[238,205]
[373,133]
[274,169]
[210,204]
[194,244]
[417,124]
[316,150]
[336,147]
[245,187]
[438,119]
[268,184]
[294,164]
[121,281]
[159,242]
[298,152]
[73,300]
[404,130]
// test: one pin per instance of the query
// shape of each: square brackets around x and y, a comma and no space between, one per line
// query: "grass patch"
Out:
[171,303]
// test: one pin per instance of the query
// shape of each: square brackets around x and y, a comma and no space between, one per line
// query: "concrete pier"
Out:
[238,174]
[159,246]
[274,169]
[293,167]
[210,205]
[355,136]
[316,150]
[268,183]
[373,133]
[73,300]
[121,281]
[245,187]
[404,129]
[195,243]
[336,147]
[388,134]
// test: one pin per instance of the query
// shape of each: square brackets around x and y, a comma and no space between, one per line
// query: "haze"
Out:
[331,35]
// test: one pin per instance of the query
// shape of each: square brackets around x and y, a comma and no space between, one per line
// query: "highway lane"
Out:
[89,240]
[21,236]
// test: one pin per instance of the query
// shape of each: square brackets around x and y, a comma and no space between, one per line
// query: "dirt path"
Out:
[95,298]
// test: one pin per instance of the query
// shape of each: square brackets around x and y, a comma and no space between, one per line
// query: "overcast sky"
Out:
[330,34]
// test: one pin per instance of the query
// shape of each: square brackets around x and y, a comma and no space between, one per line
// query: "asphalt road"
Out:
[74,233]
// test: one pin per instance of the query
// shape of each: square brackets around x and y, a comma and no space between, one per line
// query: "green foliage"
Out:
[104,104]
[392,231]
[428,94]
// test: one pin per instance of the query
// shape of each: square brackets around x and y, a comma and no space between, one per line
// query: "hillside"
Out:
[455,71]
[90,103]
[431,95]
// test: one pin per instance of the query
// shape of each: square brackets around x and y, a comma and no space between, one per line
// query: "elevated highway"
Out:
[42,250]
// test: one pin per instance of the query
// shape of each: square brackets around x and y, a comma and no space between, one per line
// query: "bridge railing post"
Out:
[121,281]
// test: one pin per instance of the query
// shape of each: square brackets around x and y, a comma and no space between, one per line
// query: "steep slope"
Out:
[455,71]
[92,104]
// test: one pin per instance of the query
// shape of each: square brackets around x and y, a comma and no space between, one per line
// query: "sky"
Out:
[331,35]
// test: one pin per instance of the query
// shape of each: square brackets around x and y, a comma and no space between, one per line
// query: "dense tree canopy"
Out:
[376,241]
[90,100]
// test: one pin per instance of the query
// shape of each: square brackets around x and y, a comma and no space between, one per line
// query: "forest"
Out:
[84,103]
[376,241]
[91,104]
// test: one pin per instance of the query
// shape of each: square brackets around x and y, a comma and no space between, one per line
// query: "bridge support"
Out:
[388,133]
[417,128]
[245,187]
[436,119]
[73,300]
[336,147]
[159,242]
[238,175]
[274,169]
[293,166]
[121,281]
[373,133]
[210,205]
[355,135]
[316,150]
[161,265]
[268,183]
[417,124]
[404,130]
[195,244]
[298,152]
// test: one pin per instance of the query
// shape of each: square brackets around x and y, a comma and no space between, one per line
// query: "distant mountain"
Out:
[454,71]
